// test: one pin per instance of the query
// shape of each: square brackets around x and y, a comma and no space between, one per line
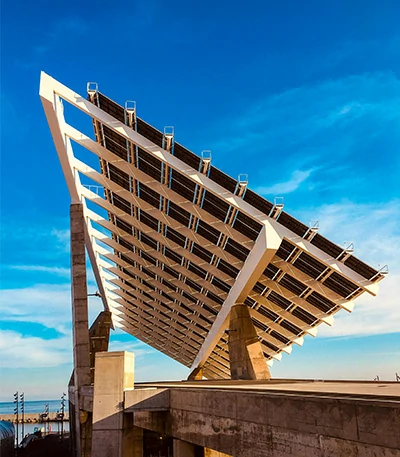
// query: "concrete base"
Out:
[245,352]
[113,432]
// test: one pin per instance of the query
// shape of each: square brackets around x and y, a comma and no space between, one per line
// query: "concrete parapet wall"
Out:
[260,424]
[147,400]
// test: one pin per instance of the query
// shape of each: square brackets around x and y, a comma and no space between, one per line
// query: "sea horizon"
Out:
[32,406]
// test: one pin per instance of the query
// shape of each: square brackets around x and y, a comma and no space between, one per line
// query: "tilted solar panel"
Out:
[182,235]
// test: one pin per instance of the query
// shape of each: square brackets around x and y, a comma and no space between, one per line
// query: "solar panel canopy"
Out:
[175,242]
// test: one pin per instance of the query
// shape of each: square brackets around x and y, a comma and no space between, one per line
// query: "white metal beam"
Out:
[163,259]
[164,241]
[165,219]
[160,188]
[54,111]
[131,135]
[266,245]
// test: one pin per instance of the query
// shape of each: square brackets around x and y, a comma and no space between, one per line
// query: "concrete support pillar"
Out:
[196,374]
[183,449]
[99,334]
[245,352]
[137,441]
[80,318]
[80,326]
[132,438]
[113,431]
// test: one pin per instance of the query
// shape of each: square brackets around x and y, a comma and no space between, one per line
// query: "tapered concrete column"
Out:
[183,449]
[99,334]
[113,434]
[196,374]
[137,440]
[132,437]
[80,319]
[80,328]
[245,352]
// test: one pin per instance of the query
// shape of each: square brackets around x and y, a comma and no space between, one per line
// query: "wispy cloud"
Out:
[373,227]
[344,121]
[371,315]
[44,271]
[48,305]
[375,231]
[63,238]
[64,272]
[45,304]
[43,255]
[282,188]
[137,347]
[18,351]
[37,241]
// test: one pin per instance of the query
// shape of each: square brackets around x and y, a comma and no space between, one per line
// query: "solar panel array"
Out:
[178,249]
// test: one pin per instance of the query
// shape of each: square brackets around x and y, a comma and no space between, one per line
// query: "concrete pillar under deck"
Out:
[132,437]
[113,431]
[80,326]
[245,352]
[183,449]
[137,441]
[79,297]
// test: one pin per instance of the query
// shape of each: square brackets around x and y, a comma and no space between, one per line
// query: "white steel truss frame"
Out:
[107,265]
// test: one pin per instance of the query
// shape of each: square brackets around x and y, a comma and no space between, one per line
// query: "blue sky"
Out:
[304,97]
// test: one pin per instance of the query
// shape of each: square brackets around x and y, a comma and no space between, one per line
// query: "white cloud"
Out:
[63,238]
[371,315]
[375,231]
[38,243]
[342,121]
[18,351]
[45,304]
[137,347]
[373,227]
[297,178]
[58,271]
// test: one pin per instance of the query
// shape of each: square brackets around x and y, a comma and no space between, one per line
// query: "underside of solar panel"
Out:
[183,242]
